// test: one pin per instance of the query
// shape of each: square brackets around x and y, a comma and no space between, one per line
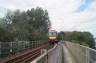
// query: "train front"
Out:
[53,36]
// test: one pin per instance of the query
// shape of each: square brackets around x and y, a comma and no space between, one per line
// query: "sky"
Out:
[65,15]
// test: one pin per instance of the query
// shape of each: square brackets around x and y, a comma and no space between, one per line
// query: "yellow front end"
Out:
[52,38]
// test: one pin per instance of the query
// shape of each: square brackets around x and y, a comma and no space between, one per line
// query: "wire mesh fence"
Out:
[81,53]
[12,48]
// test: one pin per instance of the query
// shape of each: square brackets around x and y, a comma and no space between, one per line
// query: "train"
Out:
[53,36]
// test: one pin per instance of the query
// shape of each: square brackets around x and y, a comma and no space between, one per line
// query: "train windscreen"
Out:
[52,33]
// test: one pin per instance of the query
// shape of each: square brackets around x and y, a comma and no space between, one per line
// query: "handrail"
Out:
[82,53]
[43,55]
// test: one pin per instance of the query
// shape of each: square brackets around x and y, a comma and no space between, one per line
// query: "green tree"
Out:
[28,25]
[83,38]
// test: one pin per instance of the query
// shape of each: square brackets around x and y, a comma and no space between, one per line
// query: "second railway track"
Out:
[26,57]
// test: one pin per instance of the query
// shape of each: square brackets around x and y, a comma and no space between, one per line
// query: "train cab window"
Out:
[52,34]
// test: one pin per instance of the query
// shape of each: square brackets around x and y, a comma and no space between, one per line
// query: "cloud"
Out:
[85,4]
[62,13]
[93,6]
[3,11]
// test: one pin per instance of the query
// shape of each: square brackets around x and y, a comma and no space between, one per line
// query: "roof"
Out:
[52,31]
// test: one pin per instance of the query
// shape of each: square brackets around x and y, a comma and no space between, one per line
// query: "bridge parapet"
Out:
[53,55]
[81,53]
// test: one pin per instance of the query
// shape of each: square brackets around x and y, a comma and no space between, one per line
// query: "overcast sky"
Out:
[65,15]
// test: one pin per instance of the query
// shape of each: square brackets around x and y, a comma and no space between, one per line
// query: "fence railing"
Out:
[44,58]
[12,48]
[53,55]
[81,53]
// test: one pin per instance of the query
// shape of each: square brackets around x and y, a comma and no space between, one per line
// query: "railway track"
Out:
[26,57]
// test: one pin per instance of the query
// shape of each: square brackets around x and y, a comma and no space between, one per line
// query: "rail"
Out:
[27,56]
[12,48]
[81,53]
[44,57]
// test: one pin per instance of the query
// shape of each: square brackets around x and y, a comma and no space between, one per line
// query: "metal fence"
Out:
[12,48]
[81,53]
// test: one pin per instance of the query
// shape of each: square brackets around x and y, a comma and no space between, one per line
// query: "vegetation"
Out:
[25,26]
[33,25]
[83,38]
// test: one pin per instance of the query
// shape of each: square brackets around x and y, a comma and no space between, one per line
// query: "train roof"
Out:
[52,31]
